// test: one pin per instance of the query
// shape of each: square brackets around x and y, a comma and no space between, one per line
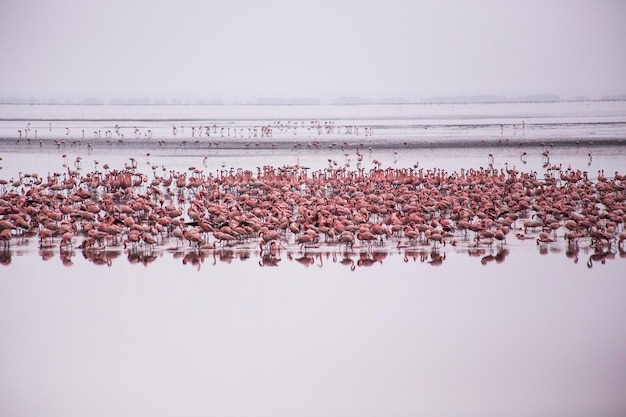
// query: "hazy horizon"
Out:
[246,51]
[302,100]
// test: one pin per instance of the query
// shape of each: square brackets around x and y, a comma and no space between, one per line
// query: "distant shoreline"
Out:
[270,101]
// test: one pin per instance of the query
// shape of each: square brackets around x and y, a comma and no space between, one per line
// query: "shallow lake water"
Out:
[522,329]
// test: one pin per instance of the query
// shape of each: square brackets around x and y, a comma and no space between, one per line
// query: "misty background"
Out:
[310,52]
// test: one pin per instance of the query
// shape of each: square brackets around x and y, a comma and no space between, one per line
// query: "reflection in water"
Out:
[101,255]
[432,256]
[272,256]
[365,260]
[5,256]
[269,260]
[436,258]
[224,255]
[572,251]
[600,254]
[303,259]
[346,260]
[66,257]
[193,258]
[136,256]
[498,257]
[46,253]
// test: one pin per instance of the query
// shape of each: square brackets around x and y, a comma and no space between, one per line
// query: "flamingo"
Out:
[346,238]
[66,240]
[5,238]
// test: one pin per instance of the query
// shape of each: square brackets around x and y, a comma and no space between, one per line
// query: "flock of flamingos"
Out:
[352,216]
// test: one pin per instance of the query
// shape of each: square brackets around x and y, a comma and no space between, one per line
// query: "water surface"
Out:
[522,330]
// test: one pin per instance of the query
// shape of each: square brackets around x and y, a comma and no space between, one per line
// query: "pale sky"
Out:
[247,49]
